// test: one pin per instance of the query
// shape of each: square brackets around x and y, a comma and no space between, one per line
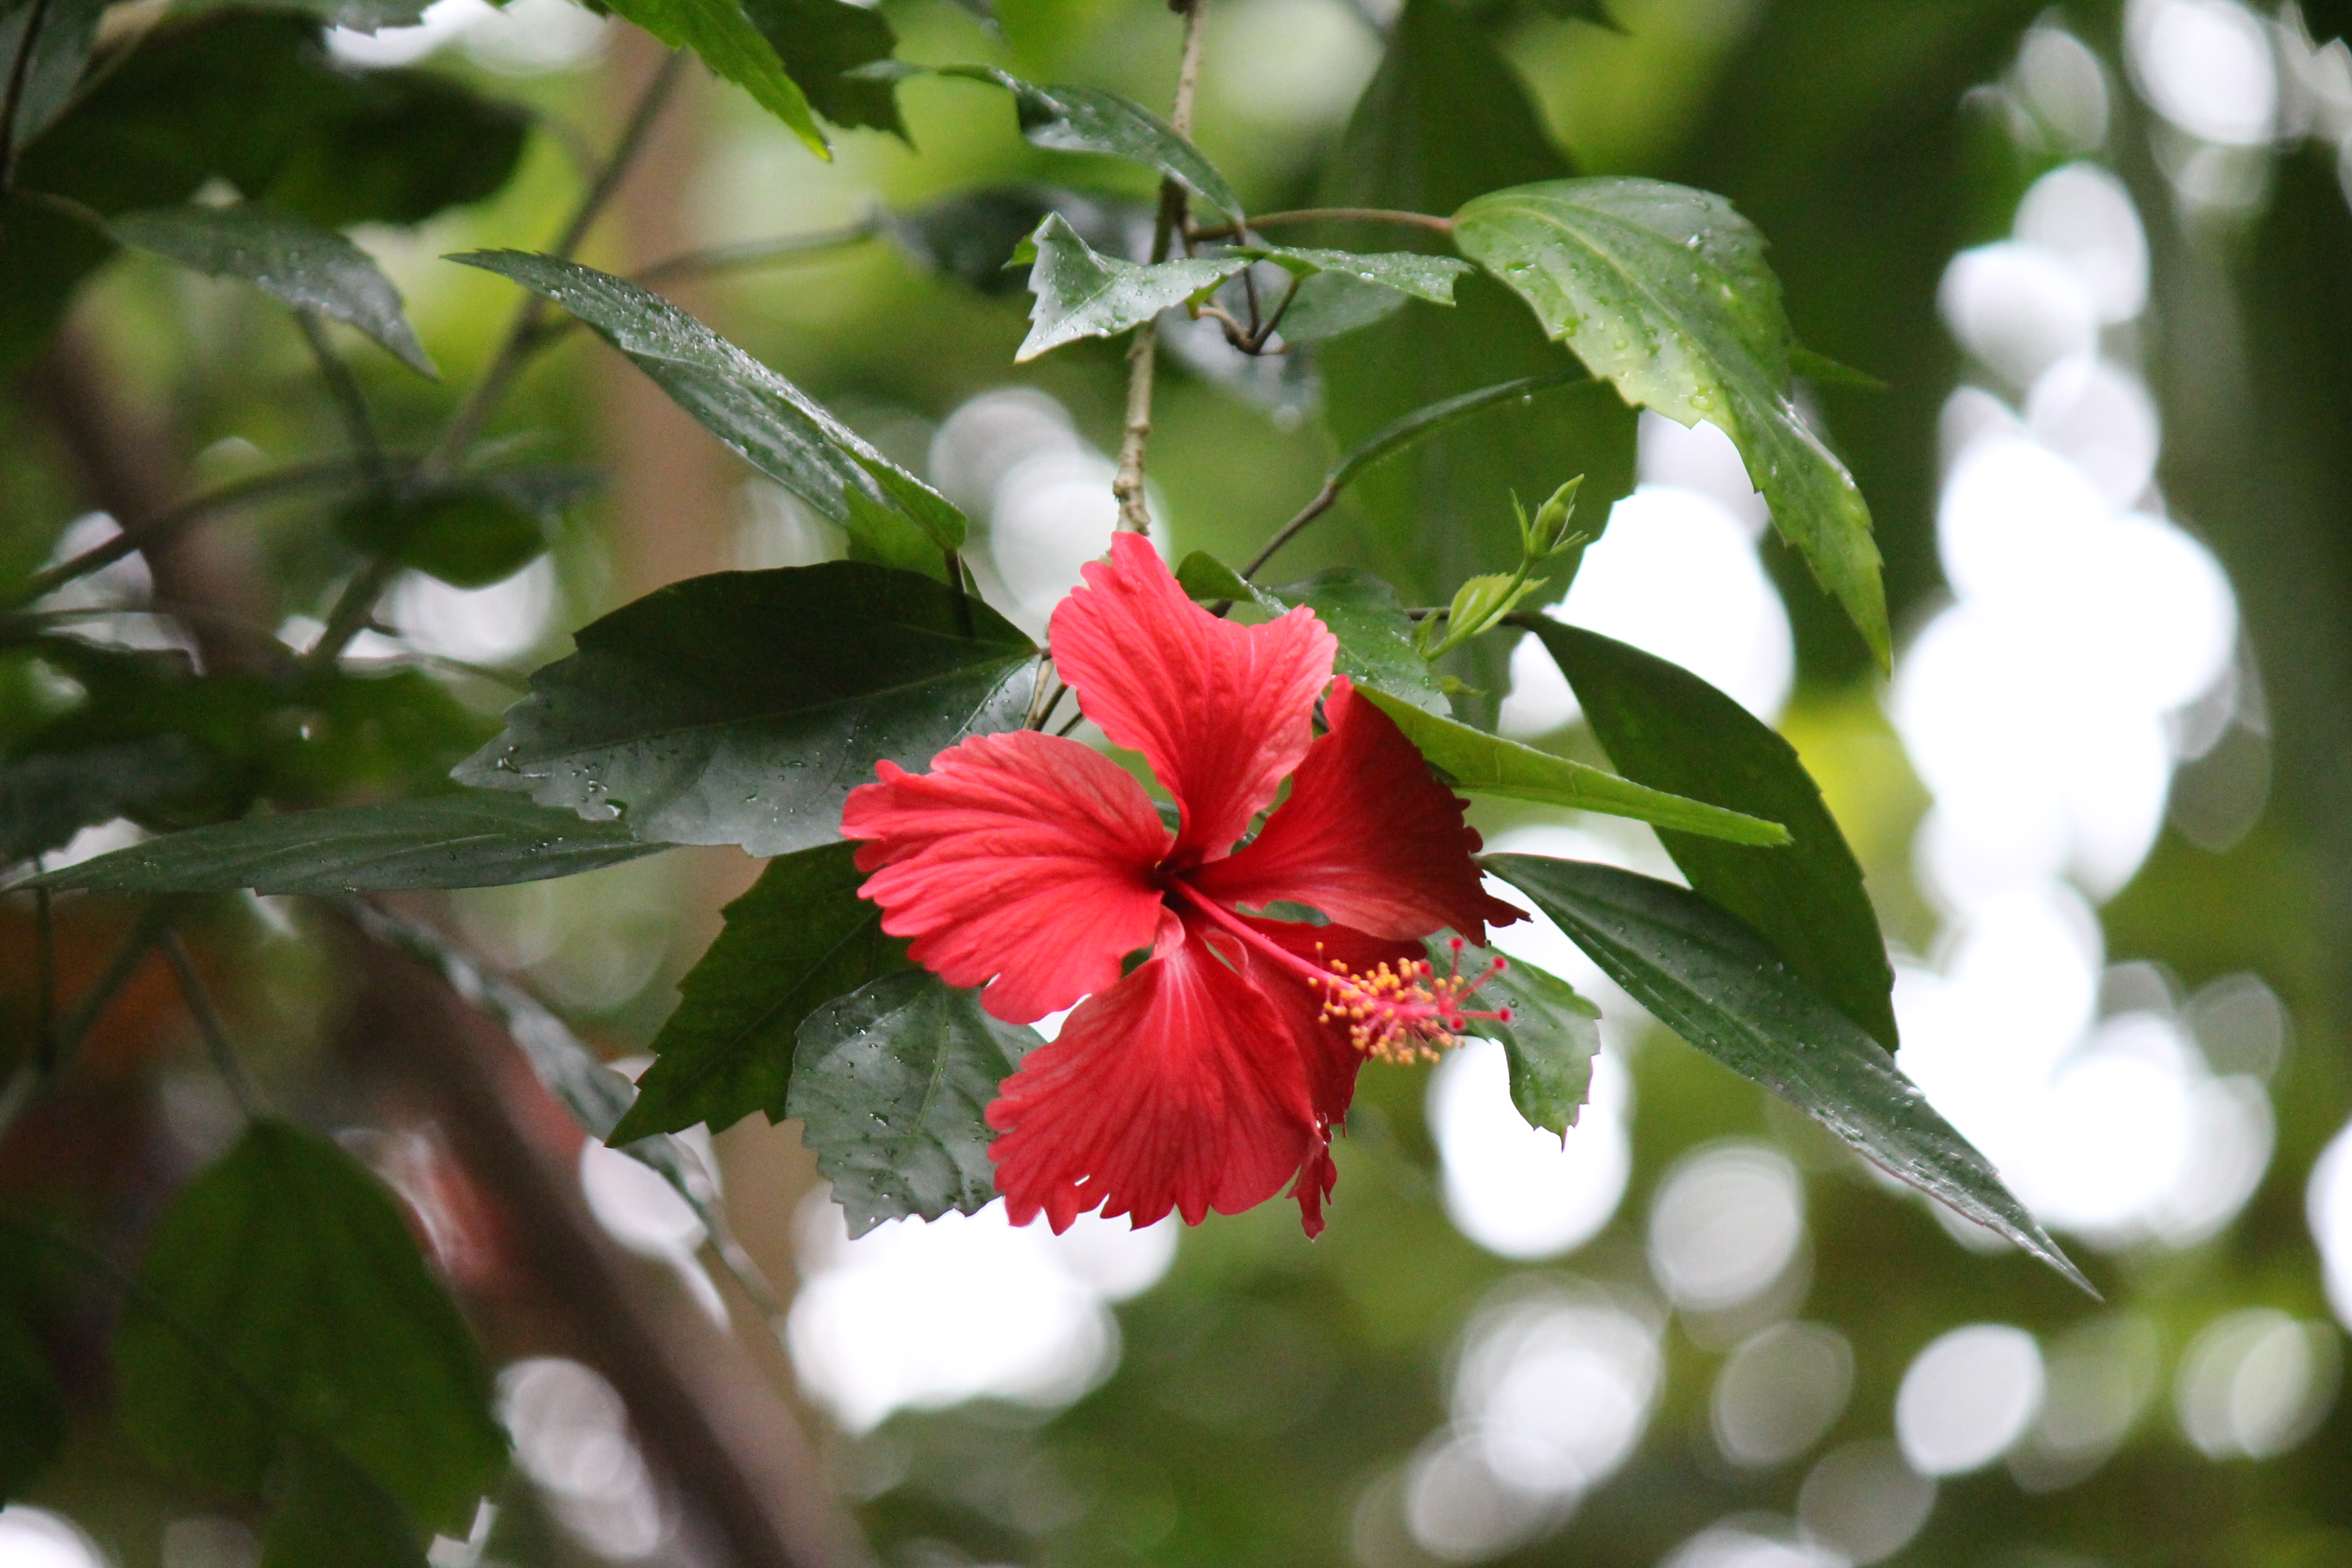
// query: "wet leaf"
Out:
[1549,1042]
[1663,291]
[1081,294]
[1714,982]
[891,1085]
[798,938]
[743,707]
[730,44]
[1093,120]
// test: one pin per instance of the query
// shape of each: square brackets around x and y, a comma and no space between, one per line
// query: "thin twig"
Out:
[159,528]
[720,258]
[359,423]
[12,100]
[209,1025]
[1323,501]
[1430,221]
[1143,353]
[1044,695]
[523,333]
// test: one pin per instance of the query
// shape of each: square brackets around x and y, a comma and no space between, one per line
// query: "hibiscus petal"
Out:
[1177,1089]
[1331,1062]
[1221,711]
[1367,836]
[1020,859]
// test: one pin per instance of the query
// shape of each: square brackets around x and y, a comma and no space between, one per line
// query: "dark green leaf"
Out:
[331,1512]
[1666,728]
[1443,120]
[1721,986]
[1549,1042]
[470,533]
[939,519]
[800,938]
[251,98]
[1082,293]
[471,839]
[777,427]
[1823,370]
[728,43]
[32,1406]
[295,1274]
[1488,765]
[891,1085]
[1331,303]
[1418,425]
[288,258]
[1204,577]
[971,236]
[1092,120]
[742,708]
[1430,278]
[1663,291]
[823,43]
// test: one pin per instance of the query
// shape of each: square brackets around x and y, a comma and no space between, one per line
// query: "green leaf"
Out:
[470,534]
[471,839]
[1663,291]
[295,1276]
[1443,120]
[1093,120]
[1430,278]
[1481,763]
[972,236]
[800,938]
[1664,727]
[1719,986]
[939,518]
[1376,646]
[743,707]
[332,1512]
[730,45]
[823,43]
[1549,1043]
[891,1085]
[1823,370]
[1082,293]
[773,424]
[32,1406]
[61,53]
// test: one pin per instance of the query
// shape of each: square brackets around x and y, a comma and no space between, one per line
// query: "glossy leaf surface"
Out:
[286,257]
[301,1276]
[1664,291]
[1093,119]
[823,43]
[1713,981]
[475,838]
[743,707]
[1664,727]
[798,938]
[1430,278]
[723,35]
[891,1085]
[1082,293]
[773,424]
[1481,763]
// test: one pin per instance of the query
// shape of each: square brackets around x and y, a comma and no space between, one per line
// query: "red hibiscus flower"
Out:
[1209,1075]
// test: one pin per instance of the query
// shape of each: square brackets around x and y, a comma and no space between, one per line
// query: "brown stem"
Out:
[1143,354]
[1323,501]
[1324,215]
[729,1449]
